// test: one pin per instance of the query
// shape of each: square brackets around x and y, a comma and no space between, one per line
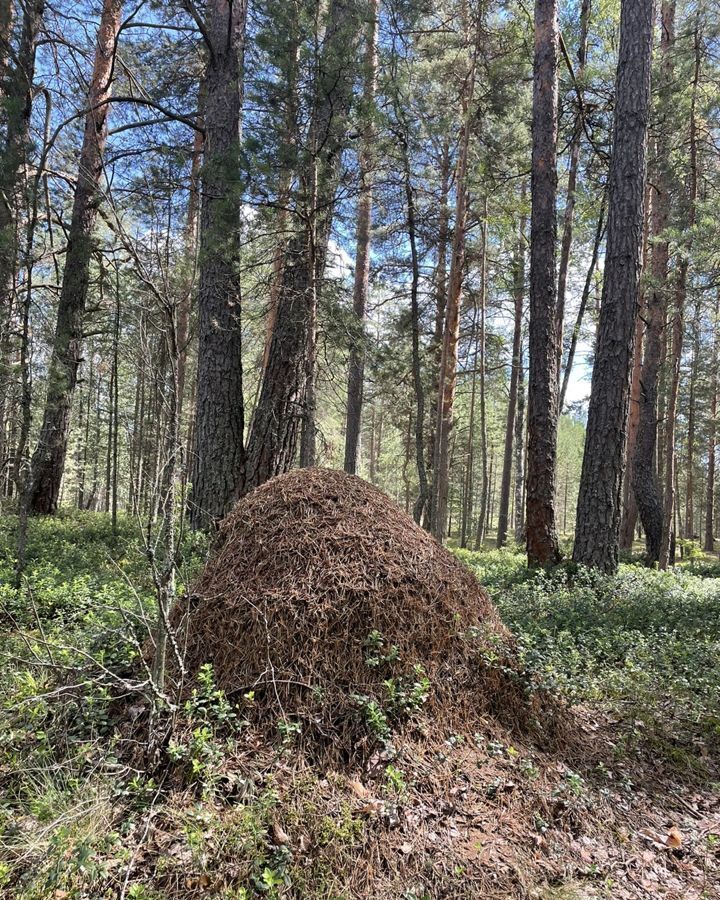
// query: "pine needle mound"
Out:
[334,611]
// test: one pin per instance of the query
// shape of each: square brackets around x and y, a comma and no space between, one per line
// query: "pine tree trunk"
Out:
[577,327]
[421,504]
[48,461]
[678,329]
[691,437]
[286,401]
[519,294]
[7,16]
[451,327]
[668,535]
[542,541]
[520,456]
[218,463]
[190,239]
[435,350]
[709,542]
[468,481]
[645,477]
[356,365]
[568,216]
[630,510]
[485,487]
[598,513]
[284,194]
[17,84]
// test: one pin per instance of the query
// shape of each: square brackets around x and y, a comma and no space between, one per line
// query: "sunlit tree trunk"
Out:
[577,327]
[421,504]
[17,87]
[287,165]
[542,541]
[485,486]
[440,295]
[691,433]
[709,542]
[48,461]
[187,286]
[519,296]
[630,510]
[645,478]
[568,215]
[520,456]
[678,329]
[356,365]
[286,403]
[451,328]
[218,462]
[599,507]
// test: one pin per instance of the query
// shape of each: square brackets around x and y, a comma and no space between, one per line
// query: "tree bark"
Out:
[709,542]
[520,456]
[630,510]
[435,351]
[287,165]
[577,327]
[678,329]
[451,328]
[356,365]
[48,461]
[187,286]
[17,87]
[219,457]
[568,216]
[678,325]
[468,481]
[420,506]
[286,400]
[485,487]
[542,541]
[598,514]
[519,295]
[645,478]
[689,531]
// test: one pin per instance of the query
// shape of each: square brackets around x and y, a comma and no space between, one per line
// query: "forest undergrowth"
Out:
[626,806]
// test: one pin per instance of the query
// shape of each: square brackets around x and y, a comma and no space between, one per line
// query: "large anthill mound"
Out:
[324,605]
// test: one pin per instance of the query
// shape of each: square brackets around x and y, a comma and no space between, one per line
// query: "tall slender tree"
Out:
[356,365]
[287,396]
[48,462]
[570,197]
[542,540]
[645,479]
[17,88]
[678,318]
[451,327]
[598,514]
[709,541]
[218,464]
[519,298]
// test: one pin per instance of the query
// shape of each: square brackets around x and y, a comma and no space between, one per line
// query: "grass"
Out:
[643,647]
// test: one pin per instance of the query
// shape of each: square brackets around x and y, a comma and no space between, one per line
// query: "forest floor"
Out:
[625,805]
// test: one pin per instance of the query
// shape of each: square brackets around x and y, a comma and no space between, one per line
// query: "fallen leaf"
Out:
[280,837]
[372,807]
[358,789]
[674,838]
